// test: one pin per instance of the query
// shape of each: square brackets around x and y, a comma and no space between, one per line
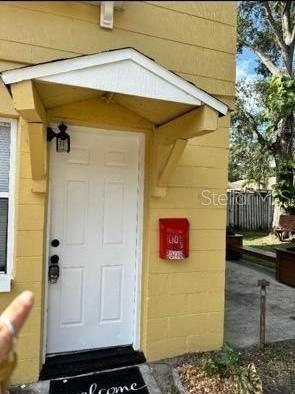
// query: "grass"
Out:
[262,240]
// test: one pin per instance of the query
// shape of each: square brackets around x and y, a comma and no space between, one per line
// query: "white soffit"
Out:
[124,71]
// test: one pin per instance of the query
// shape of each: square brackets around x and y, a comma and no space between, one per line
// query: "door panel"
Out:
[111,296]
[71,295]
[76,191]
[113,212]
[94,214]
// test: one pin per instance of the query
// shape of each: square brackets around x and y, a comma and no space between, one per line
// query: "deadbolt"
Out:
[55,243]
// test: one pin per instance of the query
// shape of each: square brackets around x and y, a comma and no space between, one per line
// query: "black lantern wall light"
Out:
[63,140]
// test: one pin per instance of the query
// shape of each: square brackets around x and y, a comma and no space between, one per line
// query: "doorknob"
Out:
[55,243]
[53,269]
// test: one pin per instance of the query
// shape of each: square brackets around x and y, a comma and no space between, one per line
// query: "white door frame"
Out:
[139,234]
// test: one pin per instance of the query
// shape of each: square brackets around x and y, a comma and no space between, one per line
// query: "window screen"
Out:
[4,191]
[3,232]
[4,156]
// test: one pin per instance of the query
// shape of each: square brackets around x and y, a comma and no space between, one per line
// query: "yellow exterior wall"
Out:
[182,302]
[186,299]
[29,267]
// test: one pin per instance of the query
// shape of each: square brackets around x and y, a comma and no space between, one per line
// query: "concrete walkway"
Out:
[243,303]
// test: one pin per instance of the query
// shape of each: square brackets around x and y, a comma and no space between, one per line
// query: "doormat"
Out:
[84,362]
[121,381]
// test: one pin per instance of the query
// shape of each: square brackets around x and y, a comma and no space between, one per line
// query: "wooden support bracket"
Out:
[197,122]
[165,161]
[171,162]
[28,104]
[37,142]
[39,186]
[170,140]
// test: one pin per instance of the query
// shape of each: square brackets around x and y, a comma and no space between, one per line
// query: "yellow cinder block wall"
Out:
[185,300]
[28,267]
[182,302]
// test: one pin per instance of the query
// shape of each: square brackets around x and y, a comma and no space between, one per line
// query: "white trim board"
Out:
[124,71]
[5,278]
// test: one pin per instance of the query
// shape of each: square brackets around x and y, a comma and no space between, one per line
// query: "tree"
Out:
[249,159]
[268,29]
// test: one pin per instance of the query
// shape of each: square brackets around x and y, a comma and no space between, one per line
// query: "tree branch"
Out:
[274,25]
[284,38]
[267,62]
[288,30]
[263,142]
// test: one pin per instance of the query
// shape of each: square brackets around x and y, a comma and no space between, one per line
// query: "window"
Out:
[7,175]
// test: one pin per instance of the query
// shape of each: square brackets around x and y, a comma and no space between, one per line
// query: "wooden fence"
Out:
[249,210]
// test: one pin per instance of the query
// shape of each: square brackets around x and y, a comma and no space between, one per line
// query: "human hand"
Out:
[11,322]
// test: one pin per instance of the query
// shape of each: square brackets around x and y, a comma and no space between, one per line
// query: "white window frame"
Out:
[5,278]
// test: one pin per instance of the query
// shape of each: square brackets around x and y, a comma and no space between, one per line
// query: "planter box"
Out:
[233,240]
[287,221]
[286,228]
[285,266]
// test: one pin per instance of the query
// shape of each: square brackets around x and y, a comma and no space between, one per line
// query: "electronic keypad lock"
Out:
[53,270]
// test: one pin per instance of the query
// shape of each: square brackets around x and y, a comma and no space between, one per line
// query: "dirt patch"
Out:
[275,366]
[195,381]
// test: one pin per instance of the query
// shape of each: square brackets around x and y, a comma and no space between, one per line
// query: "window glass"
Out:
[3,232]
[4,156]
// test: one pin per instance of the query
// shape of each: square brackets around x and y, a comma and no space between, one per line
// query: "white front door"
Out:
[94,216]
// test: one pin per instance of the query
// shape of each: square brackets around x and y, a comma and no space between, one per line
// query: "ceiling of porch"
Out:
[156,111]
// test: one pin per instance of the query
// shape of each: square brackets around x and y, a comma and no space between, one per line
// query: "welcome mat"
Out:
[121,381]
[90,361]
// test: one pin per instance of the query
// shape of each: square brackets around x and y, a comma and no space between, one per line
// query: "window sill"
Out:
[5,283]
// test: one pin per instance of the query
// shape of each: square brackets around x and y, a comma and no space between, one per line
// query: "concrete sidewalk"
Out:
[243,303]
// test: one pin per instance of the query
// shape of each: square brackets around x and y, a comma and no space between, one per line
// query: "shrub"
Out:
[225,364]
[222,363]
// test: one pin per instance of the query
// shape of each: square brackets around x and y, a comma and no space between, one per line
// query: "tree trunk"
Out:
[284,154]
[278,211]
[286,138]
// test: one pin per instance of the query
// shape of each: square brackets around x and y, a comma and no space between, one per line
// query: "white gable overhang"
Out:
[123,72]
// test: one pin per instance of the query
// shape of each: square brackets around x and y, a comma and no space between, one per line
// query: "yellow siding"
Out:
[218,11]
[182,302]
[58,30]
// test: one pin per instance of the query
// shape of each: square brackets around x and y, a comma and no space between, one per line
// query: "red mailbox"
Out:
[174,238]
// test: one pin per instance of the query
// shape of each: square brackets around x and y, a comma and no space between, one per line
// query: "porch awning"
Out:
[129,77]
[177,109]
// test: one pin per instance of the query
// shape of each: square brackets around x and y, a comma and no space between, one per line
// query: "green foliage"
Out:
[230,230]
[284,189]
[223,363]
[263,128]
[281,96]
[280,103]
[210,368]
[249,159]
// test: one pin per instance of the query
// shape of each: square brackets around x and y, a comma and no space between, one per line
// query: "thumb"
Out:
[19,309]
